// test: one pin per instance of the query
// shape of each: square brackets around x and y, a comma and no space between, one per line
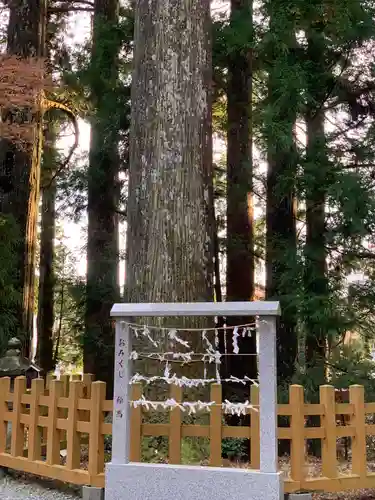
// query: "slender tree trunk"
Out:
[216,247]
[26,37]
[46,271]
[281,244]
[316,282]
[169,236]
[240,244]
[102,248]
[60,320]
[281,257]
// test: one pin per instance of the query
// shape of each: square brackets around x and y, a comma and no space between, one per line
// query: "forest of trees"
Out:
[285,86]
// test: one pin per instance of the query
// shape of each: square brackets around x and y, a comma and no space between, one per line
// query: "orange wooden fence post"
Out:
[35,435]
[135,425]
[328,421]
[175,427]
[53,436]
[49,379]
[255,428]
[87,379]
[73,459]
[215,426]
[359,458]
[297,429]
[64,379]
[64,417]
[4,391]
[18,429]
[96,443]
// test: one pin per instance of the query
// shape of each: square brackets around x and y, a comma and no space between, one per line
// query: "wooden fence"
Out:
[71,415]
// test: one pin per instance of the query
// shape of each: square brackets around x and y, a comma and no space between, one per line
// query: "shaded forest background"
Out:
[287,87]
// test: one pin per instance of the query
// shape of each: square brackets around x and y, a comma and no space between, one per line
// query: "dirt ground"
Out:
[346,495]
[313,469]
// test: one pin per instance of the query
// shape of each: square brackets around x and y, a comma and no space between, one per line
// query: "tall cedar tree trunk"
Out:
[281,244]
[102,247]
[26,37]
[316,282]
[47,280]
[45,354]
[240,246]
[170,240]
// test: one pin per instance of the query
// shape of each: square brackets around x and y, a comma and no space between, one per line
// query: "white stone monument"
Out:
[139,481]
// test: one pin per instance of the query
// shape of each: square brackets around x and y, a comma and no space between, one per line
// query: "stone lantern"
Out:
[13,364]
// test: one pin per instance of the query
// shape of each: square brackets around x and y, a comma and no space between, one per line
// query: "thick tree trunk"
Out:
[170,237]
[281,244]
[316,282]
[170,242]
[281,255]
[240,245]
[45,353]
[102,248]
[26,32]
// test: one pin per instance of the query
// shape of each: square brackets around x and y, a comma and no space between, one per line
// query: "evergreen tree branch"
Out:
[47,105]
[83,2]
[73,3]
[64,9]
[71,6]
[343,132]
[123,213]
[360,255]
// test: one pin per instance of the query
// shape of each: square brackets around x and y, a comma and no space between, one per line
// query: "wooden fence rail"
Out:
[70,415]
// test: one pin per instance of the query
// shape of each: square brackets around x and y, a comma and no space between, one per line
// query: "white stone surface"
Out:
[255,308]
[178,482]
[266,330]
[150,481]
[121,408]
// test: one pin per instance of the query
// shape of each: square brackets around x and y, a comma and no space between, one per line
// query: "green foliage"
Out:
[88,75]
[90,72]
[69,307]
[351,365]
[288,85]
[312,72]
[193,450]
[308,57]
[10,298]
[234,448]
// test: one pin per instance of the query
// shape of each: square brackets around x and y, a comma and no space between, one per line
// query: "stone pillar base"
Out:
[139,481]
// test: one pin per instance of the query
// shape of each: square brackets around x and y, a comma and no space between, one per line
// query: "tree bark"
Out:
[170,242]
[170,235]
[240,244]
[281,257]
[26,38]
[102,247]
[46,297]
[316,281]
[281,241]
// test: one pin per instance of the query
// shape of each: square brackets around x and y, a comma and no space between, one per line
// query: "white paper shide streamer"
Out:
[187,382]
[236,349]
[211,354]
[193,407]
